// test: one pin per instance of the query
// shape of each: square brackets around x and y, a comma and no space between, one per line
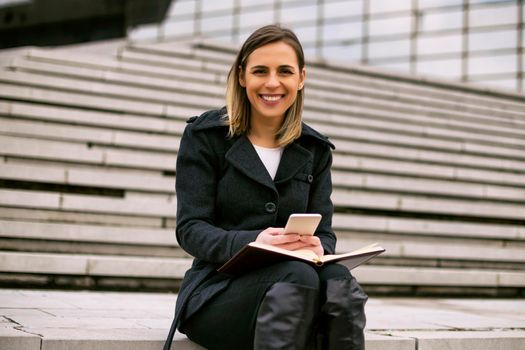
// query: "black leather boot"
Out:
[285,317]
[343,315]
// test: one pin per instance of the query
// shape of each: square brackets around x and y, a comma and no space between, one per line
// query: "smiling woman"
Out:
[241,172]
[271,78]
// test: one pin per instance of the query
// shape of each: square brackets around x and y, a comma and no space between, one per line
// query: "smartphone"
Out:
[303,224]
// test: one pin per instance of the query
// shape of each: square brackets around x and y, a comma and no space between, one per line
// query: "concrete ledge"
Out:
[53,320]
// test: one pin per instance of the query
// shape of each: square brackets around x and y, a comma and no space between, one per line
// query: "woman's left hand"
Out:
[313,244]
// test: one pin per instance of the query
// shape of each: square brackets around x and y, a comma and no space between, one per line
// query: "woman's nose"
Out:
[272,81]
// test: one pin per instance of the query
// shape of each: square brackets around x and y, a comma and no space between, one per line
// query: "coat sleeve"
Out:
[196,183]
[321,203]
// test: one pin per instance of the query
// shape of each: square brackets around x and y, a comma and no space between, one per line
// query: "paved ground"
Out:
[49,320]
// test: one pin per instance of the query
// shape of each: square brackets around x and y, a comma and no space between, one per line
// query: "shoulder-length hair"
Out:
[237,103]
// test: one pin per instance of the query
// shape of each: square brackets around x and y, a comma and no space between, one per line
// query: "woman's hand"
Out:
[275,236]
[313,243]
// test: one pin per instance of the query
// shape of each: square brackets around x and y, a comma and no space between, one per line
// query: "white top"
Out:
[271,157]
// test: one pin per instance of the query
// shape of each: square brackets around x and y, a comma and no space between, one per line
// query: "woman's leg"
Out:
[343,309]
[229,319]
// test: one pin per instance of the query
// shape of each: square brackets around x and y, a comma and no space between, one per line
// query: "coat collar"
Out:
[217,118]
[242,154]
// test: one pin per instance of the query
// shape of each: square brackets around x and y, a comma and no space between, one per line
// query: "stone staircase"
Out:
[434,171]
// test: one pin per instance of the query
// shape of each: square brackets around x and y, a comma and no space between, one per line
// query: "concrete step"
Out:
[91,178]
[352,126]
[165,205]
[427,165]
[167,142]
[321,89]
[375,102]
[91,70]
[85,218]
[360,101]
[35,319]
[345,198]
[389,152]
[103,136]
[377,79]
[82,153]
[415,164]
[103,88]
[359,76]
[413,228]
[158,183]
[398,138]
[140,205]
[20,235]
[377,182]
[174,268]
[357,148]
[53,231]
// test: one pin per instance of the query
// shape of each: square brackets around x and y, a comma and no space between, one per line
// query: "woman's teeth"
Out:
[271,98]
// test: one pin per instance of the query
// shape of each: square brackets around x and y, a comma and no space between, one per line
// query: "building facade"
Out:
[477,41]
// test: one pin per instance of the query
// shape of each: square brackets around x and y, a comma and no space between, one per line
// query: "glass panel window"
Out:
[174,28]
[424,4]
[306,34]
[440,20]
[211,24]
[396,67]
[209,6]
[256,18]
[342,9]
[150,31]
[343,30]
[437,45]
[492,40]
[381,6]
[243,35]
[310,52]
[390,26]
[493,15]
[181,8]
[223,38]
[249,3]
[450,68]
[492,64]
[347,53]
[395,48]
[290,14]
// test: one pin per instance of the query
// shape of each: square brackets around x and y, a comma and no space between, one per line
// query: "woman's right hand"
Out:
[275,236]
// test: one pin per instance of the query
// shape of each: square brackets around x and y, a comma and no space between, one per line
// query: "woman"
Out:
[241,171]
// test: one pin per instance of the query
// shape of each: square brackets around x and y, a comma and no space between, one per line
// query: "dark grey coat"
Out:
[225,197]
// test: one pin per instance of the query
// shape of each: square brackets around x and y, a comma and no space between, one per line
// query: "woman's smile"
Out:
[272,99]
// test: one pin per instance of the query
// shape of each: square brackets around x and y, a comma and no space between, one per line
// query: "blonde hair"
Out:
[237,103]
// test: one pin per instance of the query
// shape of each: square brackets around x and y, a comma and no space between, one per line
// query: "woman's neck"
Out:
[263,134]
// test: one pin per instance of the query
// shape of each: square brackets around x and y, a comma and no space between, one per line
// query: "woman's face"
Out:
[272,79]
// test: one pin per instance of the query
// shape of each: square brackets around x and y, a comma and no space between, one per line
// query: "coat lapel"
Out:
[294,158]
[243,156]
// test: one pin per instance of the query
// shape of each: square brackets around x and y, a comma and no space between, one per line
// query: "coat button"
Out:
[270,207]
[310,178]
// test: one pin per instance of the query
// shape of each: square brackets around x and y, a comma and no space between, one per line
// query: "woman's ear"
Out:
[242,81]
[302,78]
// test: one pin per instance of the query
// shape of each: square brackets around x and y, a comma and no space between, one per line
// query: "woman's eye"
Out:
[259,71]
[286,71]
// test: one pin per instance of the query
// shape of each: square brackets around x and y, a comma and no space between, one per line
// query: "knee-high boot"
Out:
[344,315]
[285,317]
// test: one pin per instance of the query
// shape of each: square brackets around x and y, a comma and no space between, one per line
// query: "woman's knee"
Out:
[334,271]
[295,272]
